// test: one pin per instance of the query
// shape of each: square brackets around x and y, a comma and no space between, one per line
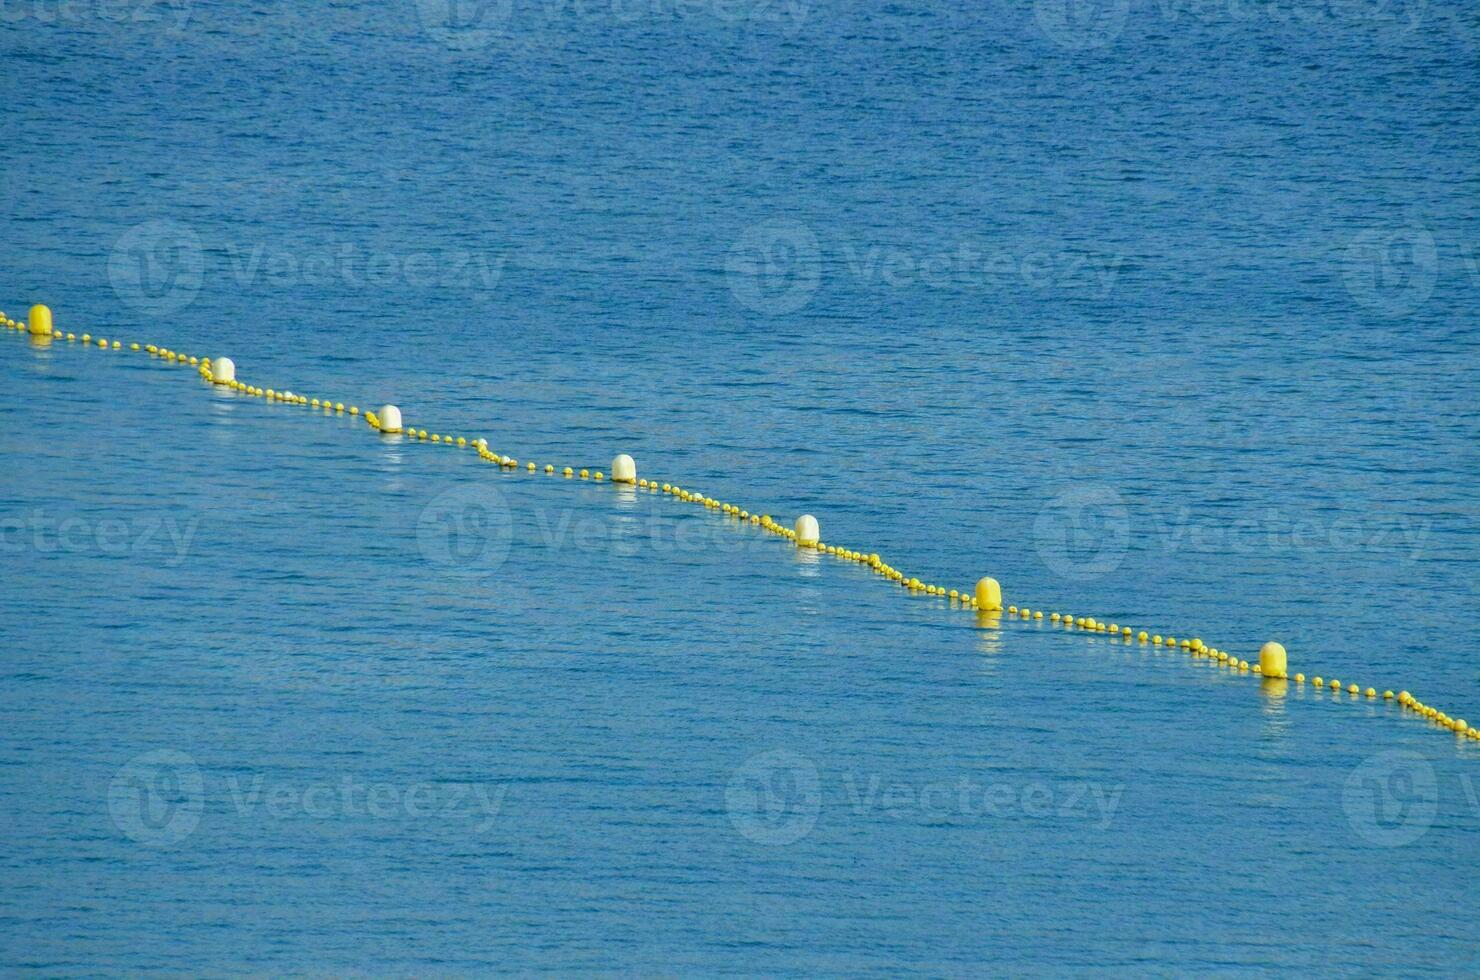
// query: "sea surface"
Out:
[1163,313]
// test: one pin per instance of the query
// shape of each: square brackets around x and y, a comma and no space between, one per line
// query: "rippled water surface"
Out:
[1159,313]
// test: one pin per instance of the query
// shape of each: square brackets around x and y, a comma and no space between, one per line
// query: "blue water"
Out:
[1162,313]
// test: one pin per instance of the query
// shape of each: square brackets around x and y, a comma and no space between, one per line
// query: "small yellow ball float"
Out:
[1299,678]
[1387,695]
[568,472]
[585,474]
[597,476]
[530,467]
[549,469]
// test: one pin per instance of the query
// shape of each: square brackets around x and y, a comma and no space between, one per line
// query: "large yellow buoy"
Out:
[223,371]
[807,532]
[40,321]
[390,418]
[624,470]
[988,595]
[1272,660]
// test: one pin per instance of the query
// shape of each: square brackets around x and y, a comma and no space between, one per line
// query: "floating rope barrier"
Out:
[985,598]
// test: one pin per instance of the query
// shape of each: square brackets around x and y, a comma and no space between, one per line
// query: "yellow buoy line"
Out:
[985,597]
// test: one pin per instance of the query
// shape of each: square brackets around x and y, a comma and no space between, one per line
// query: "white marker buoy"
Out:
[624,470]
[223,370]
[390,418]
[807,532]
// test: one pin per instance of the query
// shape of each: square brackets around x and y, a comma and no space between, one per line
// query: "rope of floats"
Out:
[1270,664]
